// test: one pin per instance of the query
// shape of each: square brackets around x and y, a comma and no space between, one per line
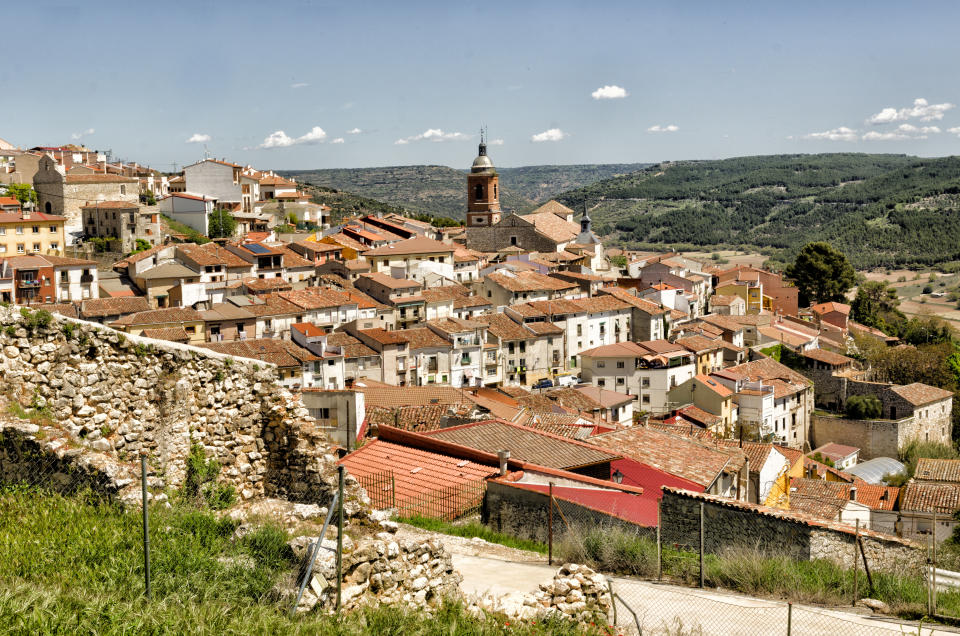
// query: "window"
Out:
[601,383]
[36,229]
[36,247]
[646,399]
[64,277]
[123,189]
[478,192]
[645,383]
[19,229]
[513,240]
[620,382]
[3,249]
[190,329]
[20,248]
[579,330]
[620,364]
[601,364]
[3,231]
[55,246]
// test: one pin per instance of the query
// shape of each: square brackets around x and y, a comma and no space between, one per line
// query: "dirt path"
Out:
[472,547]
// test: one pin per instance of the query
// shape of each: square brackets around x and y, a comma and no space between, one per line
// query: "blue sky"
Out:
[288,84]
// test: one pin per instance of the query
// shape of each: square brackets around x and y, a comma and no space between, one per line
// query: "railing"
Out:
[449,502]
[86,278]
[28,283]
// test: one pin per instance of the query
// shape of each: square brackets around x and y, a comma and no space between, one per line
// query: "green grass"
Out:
[470,530]
[750,572]
[186,230]
[74,565]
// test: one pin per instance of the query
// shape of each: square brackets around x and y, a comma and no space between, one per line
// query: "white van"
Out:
[567,380]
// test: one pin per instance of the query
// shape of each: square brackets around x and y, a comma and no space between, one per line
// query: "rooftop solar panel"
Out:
[257,249]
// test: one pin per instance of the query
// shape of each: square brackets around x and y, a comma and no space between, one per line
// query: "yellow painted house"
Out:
[750,292]
[800,467]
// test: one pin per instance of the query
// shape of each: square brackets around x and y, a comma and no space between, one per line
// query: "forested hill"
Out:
[879,209]
[442,191]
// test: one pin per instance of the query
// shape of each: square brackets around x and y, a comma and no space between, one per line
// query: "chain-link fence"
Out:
[655,583]
[447,502]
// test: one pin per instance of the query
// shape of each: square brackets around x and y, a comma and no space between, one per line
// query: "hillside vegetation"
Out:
[441,191]
[881,210]
[73,565]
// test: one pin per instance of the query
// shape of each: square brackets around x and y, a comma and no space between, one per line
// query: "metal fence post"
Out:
[855,562]
[933,571]
[550,527]
[701,544]
[659,544]
[146,525]
[613,600]
[789,617]
[340,474]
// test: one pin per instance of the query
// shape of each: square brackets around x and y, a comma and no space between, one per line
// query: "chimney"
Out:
[504,457]
[853,493]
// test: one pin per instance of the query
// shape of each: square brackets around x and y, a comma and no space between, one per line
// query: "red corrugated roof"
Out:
[649,478]
[638,509]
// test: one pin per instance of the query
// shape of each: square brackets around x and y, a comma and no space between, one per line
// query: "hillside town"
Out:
[518,336]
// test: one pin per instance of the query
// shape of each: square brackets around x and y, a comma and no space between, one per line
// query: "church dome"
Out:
[481,164]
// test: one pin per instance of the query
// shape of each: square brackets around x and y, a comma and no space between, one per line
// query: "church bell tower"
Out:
[483,190]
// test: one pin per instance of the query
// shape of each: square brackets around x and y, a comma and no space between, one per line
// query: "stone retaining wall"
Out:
[123,396]
[736,525]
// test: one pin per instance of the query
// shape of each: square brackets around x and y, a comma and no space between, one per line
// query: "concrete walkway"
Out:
[671,609]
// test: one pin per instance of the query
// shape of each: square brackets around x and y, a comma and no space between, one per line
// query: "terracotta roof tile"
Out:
[920,394]
[827,357]
[100,307]
[416,245]
[945,470]
[173,334]
[927,497]
[525,444]
[671,453]
[160,316]
[529,281]
[283,353]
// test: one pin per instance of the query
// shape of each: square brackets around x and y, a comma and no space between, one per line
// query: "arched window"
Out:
[48,207]
[494,190]
[478,192]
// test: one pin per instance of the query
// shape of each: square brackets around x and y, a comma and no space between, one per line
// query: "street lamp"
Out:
[617,476]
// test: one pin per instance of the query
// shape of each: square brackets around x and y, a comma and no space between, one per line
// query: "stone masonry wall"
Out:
[524,513]
[735,525]
[726,528]
[122,395]
[874,438]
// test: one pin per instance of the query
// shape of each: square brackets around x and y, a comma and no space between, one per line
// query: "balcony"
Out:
[28,284]
[86,278]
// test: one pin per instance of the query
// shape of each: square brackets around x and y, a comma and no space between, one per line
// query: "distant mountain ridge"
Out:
[442,191]
[881,210]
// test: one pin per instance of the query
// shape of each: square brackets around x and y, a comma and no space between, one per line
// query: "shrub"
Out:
[33,320]
[201,485]
[863,407]
[927,289]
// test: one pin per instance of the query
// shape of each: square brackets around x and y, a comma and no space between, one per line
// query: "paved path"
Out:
[671,609]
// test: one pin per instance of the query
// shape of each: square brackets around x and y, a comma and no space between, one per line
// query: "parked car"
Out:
[568,380]
[544,383]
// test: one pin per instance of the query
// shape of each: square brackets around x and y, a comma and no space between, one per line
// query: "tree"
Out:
[221,224]
[863,407]
[821,274]
[148,197]
[23,192]
[876,305]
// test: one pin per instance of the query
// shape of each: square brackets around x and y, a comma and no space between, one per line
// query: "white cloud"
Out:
[338,140]
[609,92]
[280,139]
[198,138]
[554,134]
[299,85]
[667,128]
[354,131]
[954,131]
[495,142]
[834,134]
[903,131]
[921,110]
[433,134]
[81,135]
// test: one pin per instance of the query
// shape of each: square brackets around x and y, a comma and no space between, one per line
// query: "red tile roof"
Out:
[945,470]
[827,357]
[525,444]
[930,497]
[920,394]
[415,473]
[416,245]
